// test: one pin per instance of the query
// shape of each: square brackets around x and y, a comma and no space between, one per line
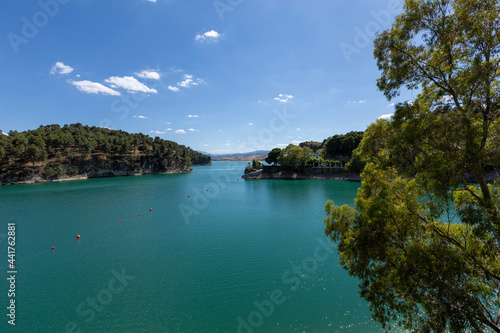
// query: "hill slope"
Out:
[53,152]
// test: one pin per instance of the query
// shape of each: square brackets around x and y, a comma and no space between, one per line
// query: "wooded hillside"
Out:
[52,151]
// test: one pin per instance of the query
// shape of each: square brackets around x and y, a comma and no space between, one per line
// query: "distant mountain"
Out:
[253,155]
[204,153]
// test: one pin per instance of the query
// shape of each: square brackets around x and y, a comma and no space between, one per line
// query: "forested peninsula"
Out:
[334,158]
[75,151]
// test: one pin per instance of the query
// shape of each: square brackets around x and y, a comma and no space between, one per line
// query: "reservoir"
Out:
[235,256]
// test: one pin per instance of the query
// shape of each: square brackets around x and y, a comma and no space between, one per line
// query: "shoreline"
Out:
[311,173]
[85,176]
[272,172]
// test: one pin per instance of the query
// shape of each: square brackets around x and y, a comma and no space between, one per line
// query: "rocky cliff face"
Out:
[273,172]
[101,168]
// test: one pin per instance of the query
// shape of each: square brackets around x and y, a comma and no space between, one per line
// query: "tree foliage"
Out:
[315,146]
[74,144]
[294,158]
[357,163]
[423,241]
[273,155]
[341,145]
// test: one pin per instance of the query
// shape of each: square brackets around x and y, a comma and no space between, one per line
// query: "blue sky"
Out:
[220,76]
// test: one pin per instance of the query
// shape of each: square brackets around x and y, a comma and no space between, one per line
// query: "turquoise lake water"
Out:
[249,256]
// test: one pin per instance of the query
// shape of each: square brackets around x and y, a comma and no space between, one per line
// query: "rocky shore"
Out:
[102,173]
[271,172]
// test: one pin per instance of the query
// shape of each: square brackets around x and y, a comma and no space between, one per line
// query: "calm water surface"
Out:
[212,262]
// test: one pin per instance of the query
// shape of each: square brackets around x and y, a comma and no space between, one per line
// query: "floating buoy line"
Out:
[78,236]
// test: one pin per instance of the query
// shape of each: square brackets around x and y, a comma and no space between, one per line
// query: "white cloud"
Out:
[283,98]
[180,131]
[209,36]
[228,144]
[298,128]
[189,81]
[168,129]
[130,84]
[251,124]
[357,102]
[386,116]
[159,132]
[205,145]
[60,68]
[151,0]
[94,88]
[148,74]
[168,123]
[173,88]
[192,116]
[392,104]
[193,130]
[141,117]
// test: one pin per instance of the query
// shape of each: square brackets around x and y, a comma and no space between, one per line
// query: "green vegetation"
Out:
[335,149]
[321,162]
[256,163]
[357,163]
[315,146]
[272,157]
[72,149]
[341,145]
[425,243]
[294,158]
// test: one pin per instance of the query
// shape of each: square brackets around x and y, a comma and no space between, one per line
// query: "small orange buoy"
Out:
[120,221]
[52,248]
[162,205]
[77,236]
[150,209]
[188,196]
[138,214]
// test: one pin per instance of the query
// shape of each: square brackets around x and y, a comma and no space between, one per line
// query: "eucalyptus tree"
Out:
[422,238]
